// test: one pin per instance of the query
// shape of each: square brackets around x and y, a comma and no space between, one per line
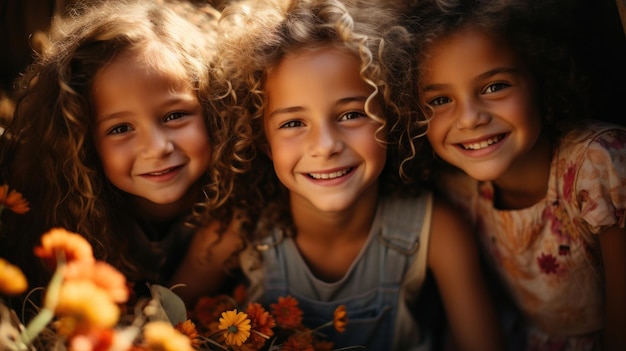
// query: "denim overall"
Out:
[372,287]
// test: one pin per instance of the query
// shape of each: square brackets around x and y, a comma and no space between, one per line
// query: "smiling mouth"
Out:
[483,144]
[331,175]
[166,171]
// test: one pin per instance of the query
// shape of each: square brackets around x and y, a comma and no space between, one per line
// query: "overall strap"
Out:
[275,282]
[405,223]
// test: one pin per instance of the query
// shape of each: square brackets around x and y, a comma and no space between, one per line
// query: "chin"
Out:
[483,174]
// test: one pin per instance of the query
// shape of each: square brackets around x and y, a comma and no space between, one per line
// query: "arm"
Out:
[454,262]
[203,270]
[613,245]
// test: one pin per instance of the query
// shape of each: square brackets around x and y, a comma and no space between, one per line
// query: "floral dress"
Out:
[548,255]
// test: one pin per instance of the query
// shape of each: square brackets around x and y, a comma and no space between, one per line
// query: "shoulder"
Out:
[593,134]
[591,166]
[450,230]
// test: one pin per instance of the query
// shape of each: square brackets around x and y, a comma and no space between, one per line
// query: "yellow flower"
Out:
[162,336]
[340,318]
[12,280]
[236,326]
[12,200]
[88,304]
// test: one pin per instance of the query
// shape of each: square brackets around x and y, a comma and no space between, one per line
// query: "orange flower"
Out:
[58,240]
[262,322]
[12,280]
[208,309]
[236,327]
[287,312]
[299,342]
[188,329]
[340,318]
[12,200]
[103,275]
[160,335]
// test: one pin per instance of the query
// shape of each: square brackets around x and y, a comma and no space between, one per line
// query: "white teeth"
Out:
[331,175]
[160,173]
[483,144]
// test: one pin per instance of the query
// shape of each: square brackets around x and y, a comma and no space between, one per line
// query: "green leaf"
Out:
[171,307]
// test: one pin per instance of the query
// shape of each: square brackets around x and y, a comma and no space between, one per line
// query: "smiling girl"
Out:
[110,138]
[545,187]
[322,106]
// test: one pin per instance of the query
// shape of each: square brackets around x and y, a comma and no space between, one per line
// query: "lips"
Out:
[330,175]
[483,143]
[162,172]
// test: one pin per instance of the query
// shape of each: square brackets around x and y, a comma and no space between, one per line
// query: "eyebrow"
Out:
[292,109]
[167,103]
[485,75]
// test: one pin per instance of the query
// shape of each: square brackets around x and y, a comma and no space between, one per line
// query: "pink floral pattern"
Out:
[548,254]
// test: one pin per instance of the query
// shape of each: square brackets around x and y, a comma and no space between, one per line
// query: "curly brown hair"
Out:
[47,151]
[259,34]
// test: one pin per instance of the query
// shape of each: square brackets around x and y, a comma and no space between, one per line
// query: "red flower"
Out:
[299,342]
[262,322]
[287,312]
[208,309]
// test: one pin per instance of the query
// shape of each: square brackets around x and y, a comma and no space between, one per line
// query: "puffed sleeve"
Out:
[600,182]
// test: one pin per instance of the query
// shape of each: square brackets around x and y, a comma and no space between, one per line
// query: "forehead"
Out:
[326,69]
[468,46]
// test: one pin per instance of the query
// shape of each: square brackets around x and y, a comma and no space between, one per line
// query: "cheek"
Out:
[435,134]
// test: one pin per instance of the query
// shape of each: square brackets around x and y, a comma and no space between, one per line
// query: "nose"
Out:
[325,141]
[155,143]
[472,115]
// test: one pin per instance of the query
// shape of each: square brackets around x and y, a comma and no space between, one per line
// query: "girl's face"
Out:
[150,135]
[485,116]
[320,139]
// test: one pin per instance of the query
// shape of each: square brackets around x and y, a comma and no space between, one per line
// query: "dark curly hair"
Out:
[47,151]
[260,34]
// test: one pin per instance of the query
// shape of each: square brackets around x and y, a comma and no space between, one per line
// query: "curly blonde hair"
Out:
[260,34]
[48,150]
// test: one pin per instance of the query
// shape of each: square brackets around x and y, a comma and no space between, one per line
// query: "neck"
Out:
[351,222]
[155,212]
[526,182]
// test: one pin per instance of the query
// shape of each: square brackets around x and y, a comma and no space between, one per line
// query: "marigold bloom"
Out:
[299,342]
[12,200]
[236,327]
[188,328]
[208,309]
[340,318]
[261,322]
[72,245]
[12,280]
[88,304]
[160,335]
[287,312]
[103,275]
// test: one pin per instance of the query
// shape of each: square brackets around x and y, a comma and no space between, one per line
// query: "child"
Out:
[315,85]
[545,188]
[110,139]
